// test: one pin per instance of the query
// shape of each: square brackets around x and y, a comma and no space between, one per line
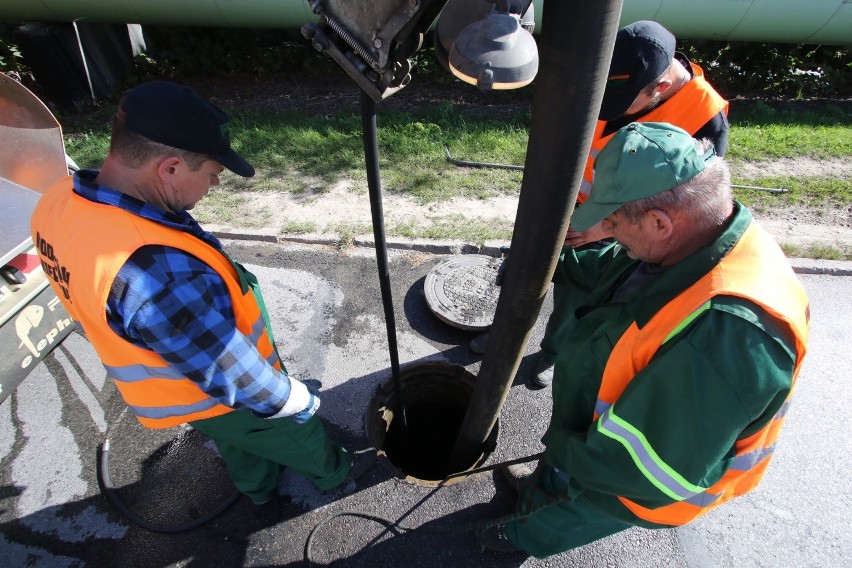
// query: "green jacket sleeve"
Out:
[723,377]
[589,269]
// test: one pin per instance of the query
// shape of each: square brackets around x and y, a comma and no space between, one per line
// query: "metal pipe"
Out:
[478,164]
[371,158]
[469,164]
[756,188]
[574,50]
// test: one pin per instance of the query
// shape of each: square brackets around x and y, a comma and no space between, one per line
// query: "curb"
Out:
[490,248]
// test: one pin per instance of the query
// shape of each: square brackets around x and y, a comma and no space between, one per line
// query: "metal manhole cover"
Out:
[461,291]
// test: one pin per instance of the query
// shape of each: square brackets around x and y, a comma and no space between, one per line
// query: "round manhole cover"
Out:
[461,291]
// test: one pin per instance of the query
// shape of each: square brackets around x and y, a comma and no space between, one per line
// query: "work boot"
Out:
[516,475]
[362,462]
[542,376]
[494,538]
[479,343]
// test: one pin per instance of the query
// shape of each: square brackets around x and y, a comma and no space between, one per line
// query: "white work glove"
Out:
[303,402]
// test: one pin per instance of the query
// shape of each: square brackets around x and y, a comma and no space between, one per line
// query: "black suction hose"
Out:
[105,483]
[476,526]
[371,157]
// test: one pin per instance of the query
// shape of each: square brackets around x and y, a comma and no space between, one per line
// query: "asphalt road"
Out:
[329,323]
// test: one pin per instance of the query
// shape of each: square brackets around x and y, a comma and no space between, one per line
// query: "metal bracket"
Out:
[372,40]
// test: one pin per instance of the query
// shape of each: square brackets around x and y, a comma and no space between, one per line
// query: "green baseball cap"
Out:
[642,159]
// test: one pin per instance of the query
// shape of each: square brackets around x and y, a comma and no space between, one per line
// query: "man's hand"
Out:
[304,395]
[579,238]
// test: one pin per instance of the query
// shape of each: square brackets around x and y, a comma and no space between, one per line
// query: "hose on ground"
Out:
[107,488]
[474,526]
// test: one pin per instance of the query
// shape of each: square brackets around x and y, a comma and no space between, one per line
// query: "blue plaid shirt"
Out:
[160,289]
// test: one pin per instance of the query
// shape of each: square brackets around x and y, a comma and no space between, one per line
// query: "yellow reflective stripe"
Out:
[655,470]
[688,320]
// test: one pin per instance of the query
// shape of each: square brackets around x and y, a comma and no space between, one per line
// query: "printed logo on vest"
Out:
[52,267]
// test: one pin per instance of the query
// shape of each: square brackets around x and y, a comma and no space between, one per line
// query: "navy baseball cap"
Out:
[179,117]
[643,50]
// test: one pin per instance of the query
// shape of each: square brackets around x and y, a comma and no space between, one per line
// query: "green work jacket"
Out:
[723,377]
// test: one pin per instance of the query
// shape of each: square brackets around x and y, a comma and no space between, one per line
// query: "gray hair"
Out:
[703,200]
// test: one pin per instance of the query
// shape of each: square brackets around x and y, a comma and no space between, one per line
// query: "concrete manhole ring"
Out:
[462,292]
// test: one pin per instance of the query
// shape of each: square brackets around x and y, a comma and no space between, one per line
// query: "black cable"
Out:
[478,164]
[371,158]
[105,484]
[475,526]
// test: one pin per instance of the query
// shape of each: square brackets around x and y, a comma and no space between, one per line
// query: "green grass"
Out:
[457,227]
[760,131]
[817,251]
[297,152]
[816,192]
[346,233]
[298,227]
[229,208]
[768,142]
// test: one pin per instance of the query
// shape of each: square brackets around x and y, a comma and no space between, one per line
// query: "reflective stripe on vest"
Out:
[138,372]
[95,240]
[754,269]
[690,108]
[168,412]
[666,479]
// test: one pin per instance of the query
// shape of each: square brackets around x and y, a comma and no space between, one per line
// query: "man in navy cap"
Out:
[671,387]
[181,328]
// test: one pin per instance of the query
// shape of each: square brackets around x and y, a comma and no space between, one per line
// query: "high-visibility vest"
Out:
[82,245]
[690,108]
[757,270]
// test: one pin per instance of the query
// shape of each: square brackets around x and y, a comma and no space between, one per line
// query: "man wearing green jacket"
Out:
[670,391]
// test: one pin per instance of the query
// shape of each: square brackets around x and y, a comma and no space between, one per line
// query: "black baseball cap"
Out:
[643,50]
[179,117]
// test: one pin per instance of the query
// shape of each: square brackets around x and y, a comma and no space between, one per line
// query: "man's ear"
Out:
[167,166]
[661,223]
[663,86]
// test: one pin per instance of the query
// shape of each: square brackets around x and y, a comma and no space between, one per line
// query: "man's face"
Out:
[644,101]
[639,238]
[192,185]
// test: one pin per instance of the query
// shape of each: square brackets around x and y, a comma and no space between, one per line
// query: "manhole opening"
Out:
[436,396]
[423,449]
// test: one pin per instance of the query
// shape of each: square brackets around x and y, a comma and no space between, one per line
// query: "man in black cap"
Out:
[181,328]
[648,81]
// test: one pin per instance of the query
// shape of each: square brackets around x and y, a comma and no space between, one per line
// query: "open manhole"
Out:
[436,398]
[462,291]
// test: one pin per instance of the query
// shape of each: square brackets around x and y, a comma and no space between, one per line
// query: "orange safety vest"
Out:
[690,108]
[757,270]
[82,246]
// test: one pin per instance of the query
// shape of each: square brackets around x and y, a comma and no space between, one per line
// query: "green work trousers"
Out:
[255,449]
[557,527]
